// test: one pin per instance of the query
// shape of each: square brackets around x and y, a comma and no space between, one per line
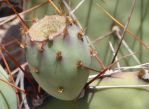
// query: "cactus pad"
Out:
[109,98]
[8,99]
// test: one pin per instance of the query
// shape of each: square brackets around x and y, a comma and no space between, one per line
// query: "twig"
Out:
[116,29]
[125,28]
[99,75]
[112,48]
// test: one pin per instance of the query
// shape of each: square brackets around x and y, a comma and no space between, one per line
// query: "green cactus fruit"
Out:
[8,99]
[109,98]
[56,53]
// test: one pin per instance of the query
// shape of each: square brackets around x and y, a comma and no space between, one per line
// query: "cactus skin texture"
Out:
[111,98]
[56,52]
[8,99]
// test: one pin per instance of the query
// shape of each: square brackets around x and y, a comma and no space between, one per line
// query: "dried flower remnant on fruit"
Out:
[47,28]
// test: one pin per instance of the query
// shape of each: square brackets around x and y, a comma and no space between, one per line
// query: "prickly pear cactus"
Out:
[56,52]
[110,98]
[8,98]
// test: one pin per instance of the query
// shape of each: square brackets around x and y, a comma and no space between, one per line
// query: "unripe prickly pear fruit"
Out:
[56,52]
[8,99]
